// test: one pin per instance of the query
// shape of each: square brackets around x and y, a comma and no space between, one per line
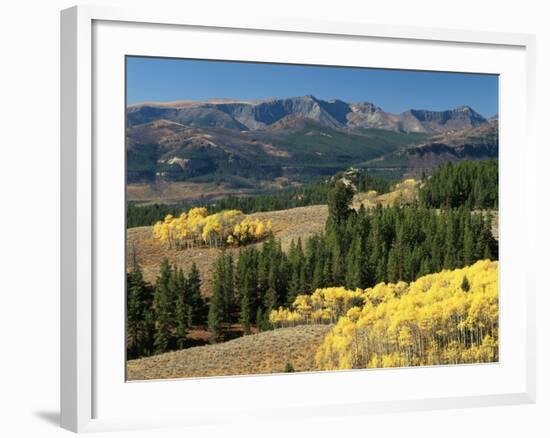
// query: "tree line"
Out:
[473,184]
[311,194]
[357,250]
[158,317]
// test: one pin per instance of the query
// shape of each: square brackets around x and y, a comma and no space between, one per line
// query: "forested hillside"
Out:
[473,184]
[401,271]
[309,194]
[444,318]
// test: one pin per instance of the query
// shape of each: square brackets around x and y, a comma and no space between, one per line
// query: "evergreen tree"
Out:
[450,243]
[262,321]
[424,267]
[173,292]
[392,267]
[468,245]
[358,275]
[195,301]
[318,279]
[228,286]
[216,308]
[338,203]
[244,317]
[270,301]
[148,347]
[338,259]
[473,184]
[163,308]
[135,312]
[282,272]
[182,309]
[295,263]
[246,278]
[465,285]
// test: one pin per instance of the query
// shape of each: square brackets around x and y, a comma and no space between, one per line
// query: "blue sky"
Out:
[162,80]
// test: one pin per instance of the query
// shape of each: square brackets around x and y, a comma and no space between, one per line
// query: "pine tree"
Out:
[338,259]
[338,202]
[149,333]
[270,301]
[311,253]
[450,243]
[262,321]
[215,316]
[295,262]
[352,274]
[392,266]
[328,275]
[468,246]
[244,316]
[246,278]
[303,281]
[358,275]
[135,312]
[163,308]
[181,309]
[228,286]
[282,265]
[424,267]
[318,281]
[196,302]
[378,259]
[465,285]
[217,301]
[173,292]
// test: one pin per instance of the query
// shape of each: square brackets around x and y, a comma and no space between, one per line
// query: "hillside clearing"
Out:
[288,225]
[173,192]
[266,352]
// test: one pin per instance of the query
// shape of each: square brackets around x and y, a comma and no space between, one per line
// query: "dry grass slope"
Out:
[288,225]
[162,192]
[266,352]
[405,192]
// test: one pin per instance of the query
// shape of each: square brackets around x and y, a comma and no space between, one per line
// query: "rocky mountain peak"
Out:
[260,114]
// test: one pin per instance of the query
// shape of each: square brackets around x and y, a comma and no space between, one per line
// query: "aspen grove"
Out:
[450,317]
[198,228]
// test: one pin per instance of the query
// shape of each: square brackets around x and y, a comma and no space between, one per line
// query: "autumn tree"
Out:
[196,227]
[429,321]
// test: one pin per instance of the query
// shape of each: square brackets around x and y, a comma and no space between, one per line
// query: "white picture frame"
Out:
[92,392]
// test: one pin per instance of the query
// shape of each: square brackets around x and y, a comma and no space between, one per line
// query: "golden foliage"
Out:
[427,322]
[197,227]
[250,230]
[323,306]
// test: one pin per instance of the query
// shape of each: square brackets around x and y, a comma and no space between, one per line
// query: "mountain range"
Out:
[295,140]
[261,114]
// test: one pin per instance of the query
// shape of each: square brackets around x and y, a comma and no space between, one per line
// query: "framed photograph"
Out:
[309,218]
